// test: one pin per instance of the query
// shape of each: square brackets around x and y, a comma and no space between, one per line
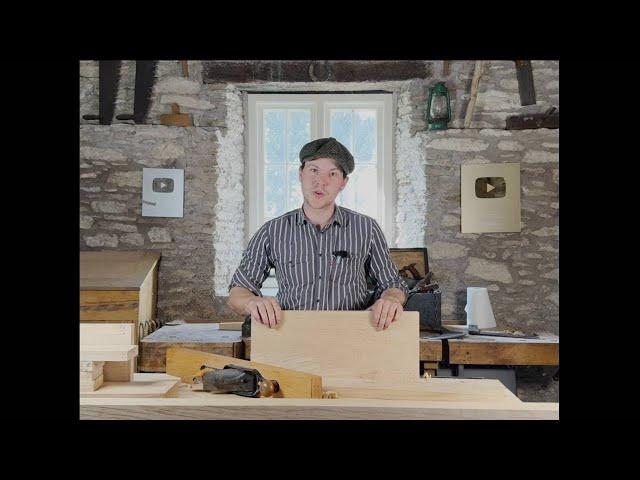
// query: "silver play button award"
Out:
[487,205]
[490,187]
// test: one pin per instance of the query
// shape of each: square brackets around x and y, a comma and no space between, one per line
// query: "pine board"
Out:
[341,346]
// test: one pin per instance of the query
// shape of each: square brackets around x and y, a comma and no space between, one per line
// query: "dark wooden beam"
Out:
[313,71]
[524,74]
[549,119]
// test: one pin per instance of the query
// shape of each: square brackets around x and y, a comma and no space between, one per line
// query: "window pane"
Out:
[274,136]
[274,191]
[365,145]
[294,191]
[361,193]
[299,133]
[341,127]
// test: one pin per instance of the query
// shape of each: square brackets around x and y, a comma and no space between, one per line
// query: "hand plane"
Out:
[247,382]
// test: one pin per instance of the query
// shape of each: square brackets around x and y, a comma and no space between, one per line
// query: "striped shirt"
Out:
[309,275]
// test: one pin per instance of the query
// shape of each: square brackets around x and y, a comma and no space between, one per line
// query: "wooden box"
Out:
[120,287]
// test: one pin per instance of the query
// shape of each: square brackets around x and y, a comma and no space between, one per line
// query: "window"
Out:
[280,124]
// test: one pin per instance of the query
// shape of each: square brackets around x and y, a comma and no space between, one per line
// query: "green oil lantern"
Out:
[439,107]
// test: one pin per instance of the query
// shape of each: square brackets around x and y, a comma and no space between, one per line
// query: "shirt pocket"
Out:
[349,270]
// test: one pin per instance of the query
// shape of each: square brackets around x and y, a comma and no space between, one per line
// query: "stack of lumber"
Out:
[107,363]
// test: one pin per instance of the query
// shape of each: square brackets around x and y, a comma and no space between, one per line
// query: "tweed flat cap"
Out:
[328,148]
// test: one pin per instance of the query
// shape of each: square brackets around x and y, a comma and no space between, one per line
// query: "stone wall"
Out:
[199,250]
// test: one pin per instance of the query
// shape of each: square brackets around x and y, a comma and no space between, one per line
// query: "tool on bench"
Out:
[475,331]
[247,382]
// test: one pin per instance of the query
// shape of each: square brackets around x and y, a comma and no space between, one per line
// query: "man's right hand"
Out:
[265,310]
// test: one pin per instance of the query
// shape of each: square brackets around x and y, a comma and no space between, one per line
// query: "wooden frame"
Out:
[406,256]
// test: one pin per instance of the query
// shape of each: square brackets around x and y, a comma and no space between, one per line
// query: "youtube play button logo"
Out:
[491,187]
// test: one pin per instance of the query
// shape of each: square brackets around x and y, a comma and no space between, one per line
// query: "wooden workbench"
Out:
[477,350]
[484,350]
[205,337]
[445,398]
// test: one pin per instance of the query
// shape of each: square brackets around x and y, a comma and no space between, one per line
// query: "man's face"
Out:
[321,181]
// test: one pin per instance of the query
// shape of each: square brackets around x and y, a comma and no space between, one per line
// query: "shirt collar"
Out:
[338,216]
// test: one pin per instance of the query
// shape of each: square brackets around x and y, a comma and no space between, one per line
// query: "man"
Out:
[322,253]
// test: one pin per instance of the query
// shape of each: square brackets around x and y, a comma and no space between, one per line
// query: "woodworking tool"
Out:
[476,331]
[247,382]
[109,76]
[145,78]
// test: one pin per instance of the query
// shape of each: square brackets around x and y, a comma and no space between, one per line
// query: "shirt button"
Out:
[319,277]
[320,254]
[318,301]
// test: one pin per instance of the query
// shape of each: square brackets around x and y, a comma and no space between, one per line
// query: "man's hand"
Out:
[386,311]
[265,310]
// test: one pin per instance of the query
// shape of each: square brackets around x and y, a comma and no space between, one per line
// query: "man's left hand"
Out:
[386,311]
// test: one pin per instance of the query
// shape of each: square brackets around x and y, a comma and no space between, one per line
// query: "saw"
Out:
[247,382]
[109,77]
[145,77]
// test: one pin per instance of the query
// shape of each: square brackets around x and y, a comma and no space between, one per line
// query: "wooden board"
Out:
[230,326]
[91,385]
[196,336]
[433,389]
[107,334]
[115,270]
[108,353]
[109,306]
[89,366]
[494,351]
[92,373]
[119,371]
[190,405]
[142,386]
[341,346]
[185,363]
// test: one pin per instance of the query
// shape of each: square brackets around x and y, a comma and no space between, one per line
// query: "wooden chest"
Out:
[120,287]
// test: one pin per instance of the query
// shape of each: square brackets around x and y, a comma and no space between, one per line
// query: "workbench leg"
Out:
[428,368]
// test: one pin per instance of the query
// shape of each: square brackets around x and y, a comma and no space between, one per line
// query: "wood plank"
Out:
[140,387]
[89,366]
[115,270]
[108,353]
[196,336]
[119,371]
[185,363]
[190,405]
[341,346]
[92,373]
[111,334]
[477,73]
[109,306]
[107,334]
[146,300]
[432,389]
[230,326]
[330,409]
[90,385]
[487,352]
[247,348]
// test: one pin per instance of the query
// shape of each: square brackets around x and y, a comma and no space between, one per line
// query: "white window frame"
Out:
[320,104]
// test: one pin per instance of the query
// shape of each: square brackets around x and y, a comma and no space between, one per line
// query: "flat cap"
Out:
[328,148]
